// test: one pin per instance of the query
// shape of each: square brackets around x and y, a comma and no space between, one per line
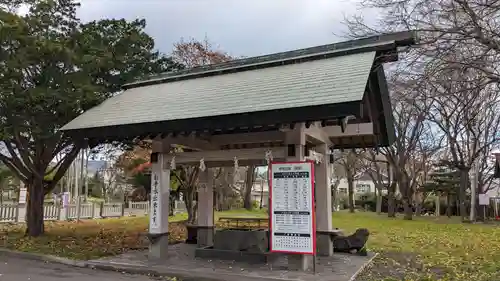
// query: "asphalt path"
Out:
[15,269]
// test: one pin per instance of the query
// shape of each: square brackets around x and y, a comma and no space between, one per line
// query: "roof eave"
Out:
[234,123]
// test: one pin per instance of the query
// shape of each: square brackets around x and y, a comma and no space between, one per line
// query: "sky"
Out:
[241,28]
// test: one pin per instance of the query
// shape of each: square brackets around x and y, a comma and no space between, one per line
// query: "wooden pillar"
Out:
[438,204]
[323,204]
[295,141]
[159,205]
[206,209]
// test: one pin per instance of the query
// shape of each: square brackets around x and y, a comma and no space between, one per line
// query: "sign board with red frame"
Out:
[292,224]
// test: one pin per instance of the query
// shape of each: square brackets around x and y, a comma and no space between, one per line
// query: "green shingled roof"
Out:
[324,81]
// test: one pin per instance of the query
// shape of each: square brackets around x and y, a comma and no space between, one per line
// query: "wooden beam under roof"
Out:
[248,138]
[224,158]
[190,141]
[316,134]
[351,130]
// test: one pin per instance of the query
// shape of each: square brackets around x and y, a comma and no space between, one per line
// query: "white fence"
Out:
[12,213]
[143,206]
[180,207]
[17,212]
[139,206]
[9,213]
[87,211]
[51,213]
[112,210]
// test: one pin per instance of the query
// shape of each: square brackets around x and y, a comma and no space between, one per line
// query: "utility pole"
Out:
[79,188]
[87,154]
[68,179]
[74,191]
[473,188]
[261,192]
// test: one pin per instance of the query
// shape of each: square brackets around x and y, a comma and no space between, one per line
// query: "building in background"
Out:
[363,185]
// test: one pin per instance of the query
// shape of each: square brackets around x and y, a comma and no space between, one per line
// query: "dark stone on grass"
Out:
[354,243]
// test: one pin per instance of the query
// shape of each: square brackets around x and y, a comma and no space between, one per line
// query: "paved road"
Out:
[13,269]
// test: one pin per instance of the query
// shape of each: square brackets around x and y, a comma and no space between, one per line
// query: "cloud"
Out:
[240,27]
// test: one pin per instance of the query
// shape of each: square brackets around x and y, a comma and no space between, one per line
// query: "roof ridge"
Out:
[403,38]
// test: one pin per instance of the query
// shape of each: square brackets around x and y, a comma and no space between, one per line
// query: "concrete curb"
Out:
[151,271]
[182,274]
[40,257]
[367,264]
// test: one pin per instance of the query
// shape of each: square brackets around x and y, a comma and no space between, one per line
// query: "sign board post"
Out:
[484,201]
[292,217]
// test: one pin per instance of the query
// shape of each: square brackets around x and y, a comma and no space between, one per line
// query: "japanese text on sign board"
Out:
[154,201]
[292,208]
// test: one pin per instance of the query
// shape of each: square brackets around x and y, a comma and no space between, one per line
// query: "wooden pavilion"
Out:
[283,106]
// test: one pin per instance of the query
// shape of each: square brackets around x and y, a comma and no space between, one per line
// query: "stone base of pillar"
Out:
[324,244]
[158,246]
[205,236]
[300,262]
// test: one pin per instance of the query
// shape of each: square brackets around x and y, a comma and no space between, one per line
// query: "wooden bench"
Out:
[243,222]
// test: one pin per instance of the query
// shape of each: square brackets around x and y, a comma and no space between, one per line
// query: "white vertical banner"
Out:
[155,213]
[160,192]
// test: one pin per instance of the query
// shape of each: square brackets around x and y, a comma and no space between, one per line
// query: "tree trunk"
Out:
[378,207]
[217,200]
[418,209]
[391,200]
[171,202]
[407,193]
[189,200]
[350,185]
[34,210]
[220,202]
[247,193]
[334,197]
[480,210]
[438,204]
[407,209]
[464,183]
[448,205]
[419,202]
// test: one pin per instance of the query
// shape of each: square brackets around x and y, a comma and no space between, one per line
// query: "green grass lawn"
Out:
[423,249]
[427,248]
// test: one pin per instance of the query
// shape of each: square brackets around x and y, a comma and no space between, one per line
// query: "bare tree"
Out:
[410,107]
[457,61]
[428,146]
[247,190]
[351,163]
[337,175]
[377,170]
[193,53]
[444,27]
[466,110]
[224,187]
[113,179]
